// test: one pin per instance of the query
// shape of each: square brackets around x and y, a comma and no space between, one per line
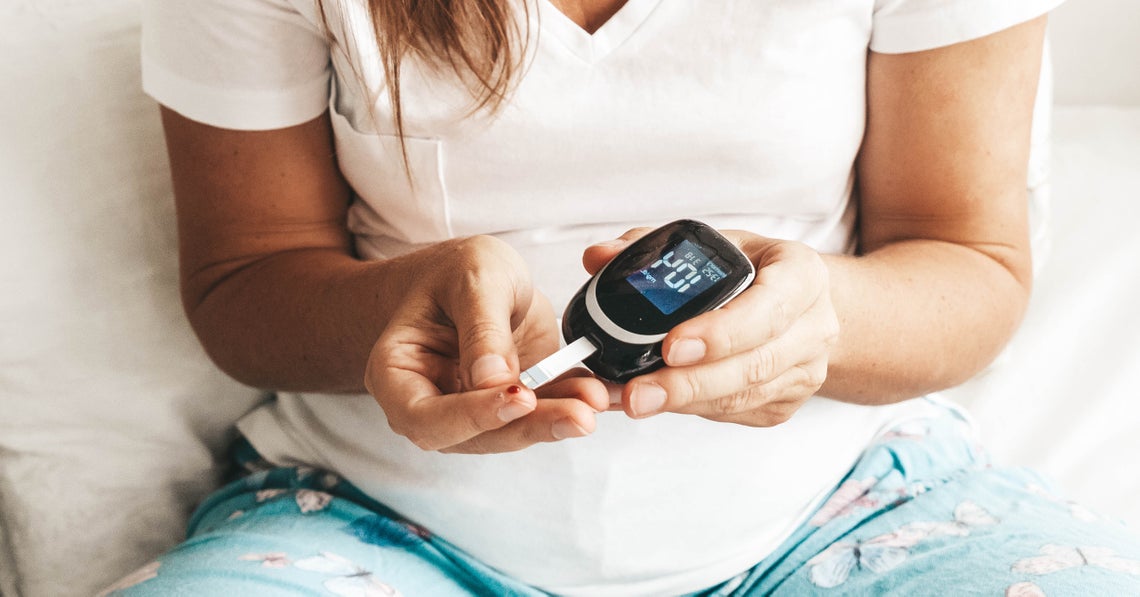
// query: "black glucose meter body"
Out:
[619,318]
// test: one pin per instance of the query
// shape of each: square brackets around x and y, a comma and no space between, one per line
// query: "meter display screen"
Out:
[678,275]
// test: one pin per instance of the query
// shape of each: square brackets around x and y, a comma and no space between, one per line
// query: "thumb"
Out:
[757,248]
[598,255]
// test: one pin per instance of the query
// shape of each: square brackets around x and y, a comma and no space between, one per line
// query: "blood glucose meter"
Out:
[617,321]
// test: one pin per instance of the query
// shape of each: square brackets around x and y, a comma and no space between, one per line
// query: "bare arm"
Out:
[268,279]
[945,271]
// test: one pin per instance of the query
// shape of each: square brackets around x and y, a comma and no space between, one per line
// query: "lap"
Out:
[924,513]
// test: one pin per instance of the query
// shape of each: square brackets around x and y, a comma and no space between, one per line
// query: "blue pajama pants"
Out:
[922,512]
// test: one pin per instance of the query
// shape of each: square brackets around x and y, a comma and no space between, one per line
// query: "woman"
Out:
[382,206]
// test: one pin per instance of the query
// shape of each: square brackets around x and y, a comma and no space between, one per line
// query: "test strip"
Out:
[557,363]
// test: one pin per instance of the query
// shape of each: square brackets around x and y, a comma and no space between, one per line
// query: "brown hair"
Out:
[479,41]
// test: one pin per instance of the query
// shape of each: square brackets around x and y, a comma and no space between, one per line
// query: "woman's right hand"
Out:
[446,368]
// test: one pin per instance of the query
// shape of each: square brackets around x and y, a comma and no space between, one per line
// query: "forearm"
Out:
[301,320]
[918,316]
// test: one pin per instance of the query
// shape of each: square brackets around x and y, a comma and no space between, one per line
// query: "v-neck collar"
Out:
[594,47]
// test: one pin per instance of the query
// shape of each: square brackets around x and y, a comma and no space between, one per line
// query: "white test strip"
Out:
[557,363]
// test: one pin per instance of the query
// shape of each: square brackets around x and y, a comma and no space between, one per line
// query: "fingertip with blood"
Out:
[519,402]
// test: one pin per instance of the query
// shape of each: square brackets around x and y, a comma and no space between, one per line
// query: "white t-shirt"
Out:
[742,114]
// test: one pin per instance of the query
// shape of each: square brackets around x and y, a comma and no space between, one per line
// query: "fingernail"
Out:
[686,352]
[516,408]
[488,367]
[615,395]
[564,428]
[617,242]
[646,399]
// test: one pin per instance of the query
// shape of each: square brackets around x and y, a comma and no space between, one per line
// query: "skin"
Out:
[939,286]
[590,15]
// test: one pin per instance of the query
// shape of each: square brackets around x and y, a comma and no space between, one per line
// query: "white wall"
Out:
[1096,52]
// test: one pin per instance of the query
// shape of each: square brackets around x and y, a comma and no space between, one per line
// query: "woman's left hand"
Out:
[754,361]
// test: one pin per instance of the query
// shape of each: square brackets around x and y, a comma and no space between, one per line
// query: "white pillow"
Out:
[112,418]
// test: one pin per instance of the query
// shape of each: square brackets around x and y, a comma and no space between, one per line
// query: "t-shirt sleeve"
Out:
[914,25]
[237,64]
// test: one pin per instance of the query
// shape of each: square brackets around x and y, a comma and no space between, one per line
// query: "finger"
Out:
[767,404]
[485,303]
[598,255]
[580,385]
[615,391]
[697,389]
[553,420]
[772,413]
[434,421]
[408,347]
[791,278]
[782,398]
[538,335]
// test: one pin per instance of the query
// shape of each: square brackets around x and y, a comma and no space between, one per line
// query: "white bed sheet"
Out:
[1065,399]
